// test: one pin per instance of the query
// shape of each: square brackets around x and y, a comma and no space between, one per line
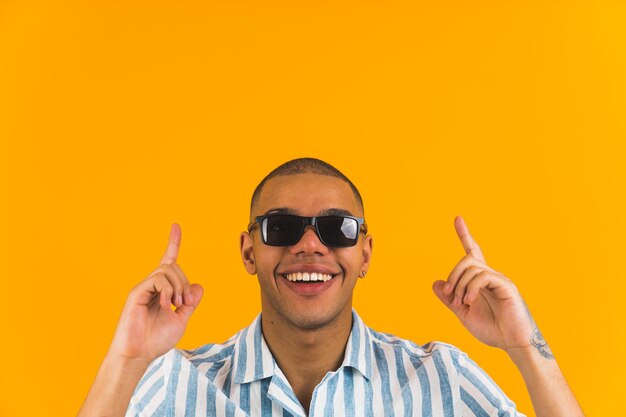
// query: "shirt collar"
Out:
[359,347]
[253,361]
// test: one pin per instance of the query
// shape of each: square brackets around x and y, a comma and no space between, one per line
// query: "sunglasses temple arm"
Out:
[252,224]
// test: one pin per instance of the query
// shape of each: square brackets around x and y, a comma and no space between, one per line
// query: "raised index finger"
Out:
[171,253]
[468,242]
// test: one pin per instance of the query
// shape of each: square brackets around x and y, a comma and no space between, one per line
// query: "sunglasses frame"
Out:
[308,221]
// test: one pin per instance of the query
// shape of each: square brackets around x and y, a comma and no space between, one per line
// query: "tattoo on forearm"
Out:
[537,340]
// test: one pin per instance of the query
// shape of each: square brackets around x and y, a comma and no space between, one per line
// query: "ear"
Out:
[368,246]
[247,252]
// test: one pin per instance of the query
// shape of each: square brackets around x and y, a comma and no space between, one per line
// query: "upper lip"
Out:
[320,269]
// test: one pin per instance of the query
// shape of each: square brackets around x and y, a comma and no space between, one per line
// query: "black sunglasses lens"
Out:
[282,230]
[338,231]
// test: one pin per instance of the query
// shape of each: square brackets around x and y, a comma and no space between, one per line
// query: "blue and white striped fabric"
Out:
[381,375]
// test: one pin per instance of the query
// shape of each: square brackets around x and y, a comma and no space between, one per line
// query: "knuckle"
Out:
[468,258]
[163,285]
[159,276]
[483,274]
[155,277]
[176,285]
[472,268]
[476,283]
[158,271]
[457,272]
[479,280]
[180,272]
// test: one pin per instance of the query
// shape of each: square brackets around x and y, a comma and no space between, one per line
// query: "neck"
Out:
[306,355]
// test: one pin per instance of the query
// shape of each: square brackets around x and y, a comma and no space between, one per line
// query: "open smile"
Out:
[308,276]
[308,280]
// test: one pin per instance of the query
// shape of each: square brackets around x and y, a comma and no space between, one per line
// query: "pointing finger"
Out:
[468,242]
[173,245]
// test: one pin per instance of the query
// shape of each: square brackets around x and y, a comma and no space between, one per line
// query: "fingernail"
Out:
[446,288]
[456,300]
[179,300]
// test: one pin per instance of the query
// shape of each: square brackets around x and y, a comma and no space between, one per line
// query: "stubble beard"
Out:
[304,320]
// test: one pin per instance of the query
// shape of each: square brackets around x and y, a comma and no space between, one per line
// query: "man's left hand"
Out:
[488,304]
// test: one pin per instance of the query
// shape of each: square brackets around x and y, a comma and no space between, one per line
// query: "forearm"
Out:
[548,390]
[113,387]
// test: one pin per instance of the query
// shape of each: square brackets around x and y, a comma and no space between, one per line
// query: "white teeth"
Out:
[306,276]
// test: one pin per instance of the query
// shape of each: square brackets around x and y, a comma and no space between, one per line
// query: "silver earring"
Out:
[363,273]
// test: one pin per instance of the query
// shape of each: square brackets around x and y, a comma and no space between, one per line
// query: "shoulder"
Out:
[444,356]
[153,391]
[387,341]
[441,367]
[452,367]
[205,355]
[433,362]
[435,357]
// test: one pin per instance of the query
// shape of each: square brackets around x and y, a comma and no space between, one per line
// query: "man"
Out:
[309,353]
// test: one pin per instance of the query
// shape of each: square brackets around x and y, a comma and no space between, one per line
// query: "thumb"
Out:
[195,295]
[445,298]
[457,309]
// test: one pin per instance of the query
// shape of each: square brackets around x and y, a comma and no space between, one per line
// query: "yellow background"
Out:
[118,118]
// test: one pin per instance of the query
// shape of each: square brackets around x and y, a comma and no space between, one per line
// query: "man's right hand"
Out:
[149,326]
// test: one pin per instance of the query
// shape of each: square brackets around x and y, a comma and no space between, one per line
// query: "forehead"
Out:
[307,195]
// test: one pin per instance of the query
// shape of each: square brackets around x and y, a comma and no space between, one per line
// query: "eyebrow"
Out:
[326,212]
[335,212]
[279,210]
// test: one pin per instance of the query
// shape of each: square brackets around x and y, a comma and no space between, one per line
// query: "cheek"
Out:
[267,258]
[350,259]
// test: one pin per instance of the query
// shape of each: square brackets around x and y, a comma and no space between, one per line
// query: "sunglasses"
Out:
[286,229]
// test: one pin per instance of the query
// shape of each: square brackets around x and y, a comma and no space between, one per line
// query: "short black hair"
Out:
[305,166]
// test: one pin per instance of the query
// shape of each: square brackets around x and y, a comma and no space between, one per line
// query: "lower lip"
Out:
[309,288]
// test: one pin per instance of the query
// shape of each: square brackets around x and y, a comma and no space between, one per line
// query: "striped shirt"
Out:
[381,375]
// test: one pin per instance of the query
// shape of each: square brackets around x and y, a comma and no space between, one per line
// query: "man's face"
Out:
[300,304]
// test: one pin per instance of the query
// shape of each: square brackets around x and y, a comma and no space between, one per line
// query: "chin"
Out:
[308,320]
[307,316]
[311,323]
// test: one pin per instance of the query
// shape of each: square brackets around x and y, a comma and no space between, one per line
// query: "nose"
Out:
[309,243]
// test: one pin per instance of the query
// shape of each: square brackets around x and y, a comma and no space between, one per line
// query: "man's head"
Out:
[306,187]
[304,166]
